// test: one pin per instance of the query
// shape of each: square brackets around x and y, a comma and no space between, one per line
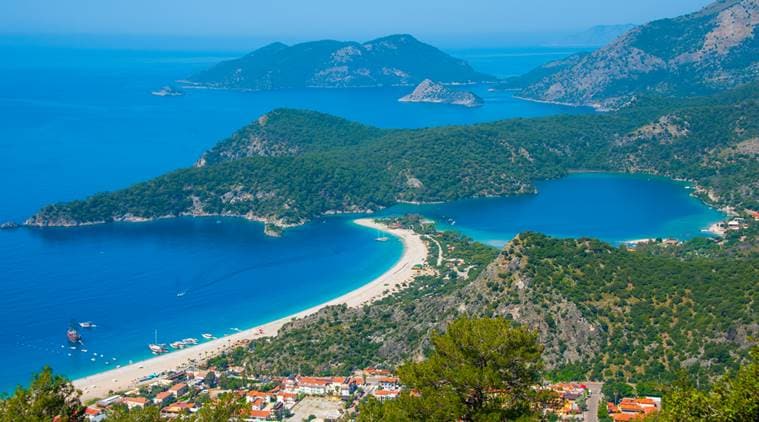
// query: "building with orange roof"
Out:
[624,417]
[254,394]
[259,403]
[377,372]
[287,398]
[132,402]
[315,385]
[179,389]
[260,415]
[634,408]
[163,398]
[180,408]
[383,395]
[94,414]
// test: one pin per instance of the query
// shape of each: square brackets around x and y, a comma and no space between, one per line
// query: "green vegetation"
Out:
[479,370]
[338,339]
[602,312]
[48,396]
[656,314]
[339,64]
[735,397]
[694,54]
[298,165]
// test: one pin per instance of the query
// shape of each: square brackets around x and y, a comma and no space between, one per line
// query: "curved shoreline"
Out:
[414,252]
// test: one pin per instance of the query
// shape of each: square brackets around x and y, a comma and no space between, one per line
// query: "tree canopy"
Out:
[479,370]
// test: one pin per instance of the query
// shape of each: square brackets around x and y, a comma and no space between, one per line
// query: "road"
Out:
[591,415]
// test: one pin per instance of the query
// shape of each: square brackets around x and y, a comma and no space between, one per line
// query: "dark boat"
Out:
[73,335]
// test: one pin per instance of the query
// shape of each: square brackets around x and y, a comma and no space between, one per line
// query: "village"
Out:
[296,397]
[311,398]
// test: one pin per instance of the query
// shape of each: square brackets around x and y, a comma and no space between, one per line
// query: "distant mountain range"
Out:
[391,60]
[709,50]
[598,35]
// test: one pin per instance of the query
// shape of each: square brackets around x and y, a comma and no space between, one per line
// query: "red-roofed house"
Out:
[163,398]
[258,403]
[633,408]
[180,408]
[388,383]
[178,389]
[383,395]
[259,415]
[314,385]
[94,414]
[252,395]
[132,402]
[287,398]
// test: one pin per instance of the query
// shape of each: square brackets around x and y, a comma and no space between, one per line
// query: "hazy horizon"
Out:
[240,24]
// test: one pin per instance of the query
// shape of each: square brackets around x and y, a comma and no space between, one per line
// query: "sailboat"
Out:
[380,237]
[157,348]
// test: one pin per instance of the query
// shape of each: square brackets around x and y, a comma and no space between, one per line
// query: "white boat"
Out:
[87,324]
[207,336]
[167,91]
[157,348]
[177,345]
[380,237]
[190,340]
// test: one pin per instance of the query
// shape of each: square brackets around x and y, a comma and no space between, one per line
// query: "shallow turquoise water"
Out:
[613,207]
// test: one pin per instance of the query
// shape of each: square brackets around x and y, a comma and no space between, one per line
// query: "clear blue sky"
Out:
[296,20]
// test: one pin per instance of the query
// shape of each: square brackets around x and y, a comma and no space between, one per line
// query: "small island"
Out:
[431,92]
[167,91]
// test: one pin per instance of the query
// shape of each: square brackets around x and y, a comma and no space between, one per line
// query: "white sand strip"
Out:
[125,378]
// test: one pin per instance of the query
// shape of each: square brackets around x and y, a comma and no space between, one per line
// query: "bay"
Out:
[74,122]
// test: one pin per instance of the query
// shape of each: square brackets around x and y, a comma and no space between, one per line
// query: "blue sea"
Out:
[74,122]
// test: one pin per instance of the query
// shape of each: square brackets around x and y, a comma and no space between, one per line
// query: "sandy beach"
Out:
[124,378]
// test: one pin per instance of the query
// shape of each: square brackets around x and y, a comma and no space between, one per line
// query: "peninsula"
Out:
[430,92]
[289,166]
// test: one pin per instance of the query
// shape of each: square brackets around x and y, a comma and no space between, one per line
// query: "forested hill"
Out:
[290,165]
[392,60]
[601,312]
[713,49]
[289,132]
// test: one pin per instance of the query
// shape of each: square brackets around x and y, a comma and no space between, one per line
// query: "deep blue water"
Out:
[126,277]
[75,122]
